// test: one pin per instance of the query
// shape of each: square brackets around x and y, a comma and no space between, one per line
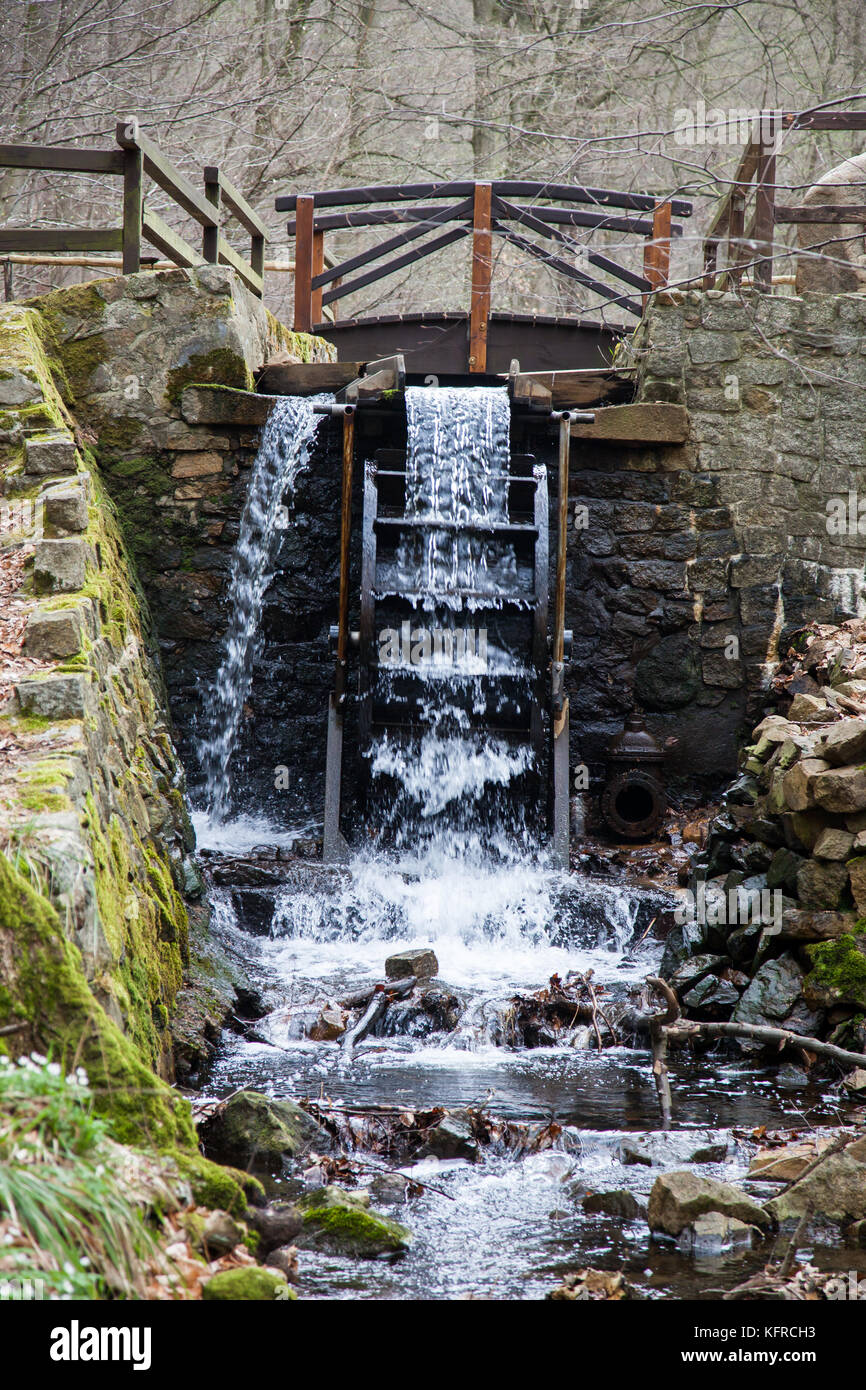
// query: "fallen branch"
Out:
[395,988]
[659,1032]
[686,1029]
[377,1006]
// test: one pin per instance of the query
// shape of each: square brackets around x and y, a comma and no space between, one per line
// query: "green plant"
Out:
[67,1220]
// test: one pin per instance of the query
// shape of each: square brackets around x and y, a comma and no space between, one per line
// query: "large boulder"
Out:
[840,789]
[255,1132]
[838,974]
[772,995]
[844,743]
[835,1189]
[678,1199]
[341,1221]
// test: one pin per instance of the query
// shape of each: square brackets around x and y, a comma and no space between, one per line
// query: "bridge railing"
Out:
[741,235]
[139,157]
[481,211]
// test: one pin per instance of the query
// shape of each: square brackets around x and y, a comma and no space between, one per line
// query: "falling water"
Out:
[283,452]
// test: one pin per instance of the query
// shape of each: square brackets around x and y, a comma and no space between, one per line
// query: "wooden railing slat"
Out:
[58,159]
[61,239]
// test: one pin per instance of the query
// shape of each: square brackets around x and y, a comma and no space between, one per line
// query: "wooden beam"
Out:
[318,269]
[163,172]
[61,239]
[643,423]
[573,388]
[565,268]
[304,264]
[306,378]
[399,263]
[236,202]
[384,248]
[133,207]
[229,256]
[61,160]
[160,235]
[765,197]
[482,267]
[825,120]
[210,236]
[657,251]
[501,208]
[829,212]
[505,188]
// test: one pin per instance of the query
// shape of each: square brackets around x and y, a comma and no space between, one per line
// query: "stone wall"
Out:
[698,560]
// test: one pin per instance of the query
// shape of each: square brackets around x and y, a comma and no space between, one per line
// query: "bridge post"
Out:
[657,250]
[482,252]
[318,268]
[304,263]
[765,209]
[210,236]
[133,177]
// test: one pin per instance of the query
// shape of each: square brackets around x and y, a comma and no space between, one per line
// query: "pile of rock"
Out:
[774,930]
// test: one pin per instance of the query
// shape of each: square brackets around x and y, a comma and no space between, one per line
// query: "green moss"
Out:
[221,365]
[120,432]
[45,802]
[44,986]
[336,1220]
[838,973]
[216,1186]
[249,1285]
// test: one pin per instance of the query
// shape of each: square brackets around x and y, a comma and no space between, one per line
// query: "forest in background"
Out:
[294,95]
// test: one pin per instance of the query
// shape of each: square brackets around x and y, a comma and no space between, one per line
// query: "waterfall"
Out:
[453,782]
[284,450]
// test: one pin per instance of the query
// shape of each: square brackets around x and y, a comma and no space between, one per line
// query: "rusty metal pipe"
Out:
[348,416]
[564,417]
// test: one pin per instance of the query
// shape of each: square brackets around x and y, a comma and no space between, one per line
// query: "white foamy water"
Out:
[283,452]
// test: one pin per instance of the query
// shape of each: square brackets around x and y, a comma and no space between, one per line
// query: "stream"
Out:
[454,862]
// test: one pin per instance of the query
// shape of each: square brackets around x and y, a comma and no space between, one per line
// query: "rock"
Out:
[46,454]
[662,1150]
[55,697]
[775,989]
[254,1132]
[787,1163]
[678,1199]
[833,843]
[857,875]
[389,1187]
[594,1286]
[842,789]
[821,883]
[250,1284]
[783,870]
[798,925]
[418,961]
[845,743]
[711,999]
[838,974]
[220,1234]
[453,1137]
[695,969]
[856,1080]
[743,942]
[798,784]
[285,1259]
[60,566]
[808,709]
[835,1189]
[336,1220]
[65,510]
[619,1203]
[715,1234]
[330,1025]
[18,389]
[53,634]
[276,1224]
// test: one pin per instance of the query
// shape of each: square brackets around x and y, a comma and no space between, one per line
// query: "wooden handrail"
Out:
[138,156]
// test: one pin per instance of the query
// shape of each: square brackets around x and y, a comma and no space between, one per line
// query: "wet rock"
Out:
[790,1077]
[220,1233]
[695,969]
[340,1221]
[619,1203]
[389,1187]
[254,908]
[420,962]
[276,1224]
[715,1234]
[453,1137]
[254,1132]
[248,1285]
[711,999]
[330,1024]
[788,1163]
[835,1189]
[678,1199]
[594,1286]
[285,1259]
[775,989]
[784,868]
[661,1150]
[743,942]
